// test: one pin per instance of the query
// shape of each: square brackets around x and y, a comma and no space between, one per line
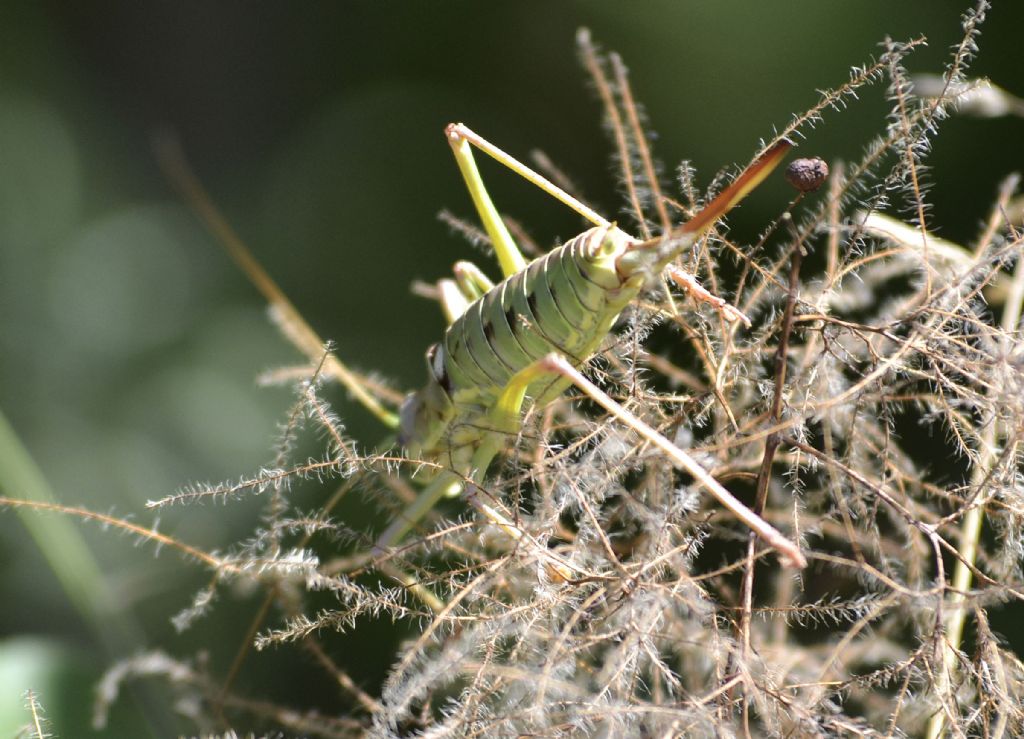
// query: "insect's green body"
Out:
[565,301]
[521,341]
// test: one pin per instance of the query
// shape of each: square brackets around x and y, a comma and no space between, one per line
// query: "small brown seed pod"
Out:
[807,175]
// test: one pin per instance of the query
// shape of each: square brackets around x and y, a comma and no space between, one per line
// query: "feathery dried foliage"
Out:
[677,622]
[39,727]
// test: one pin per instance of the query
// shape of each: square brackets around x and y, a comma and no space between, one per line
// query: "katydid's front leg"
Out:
[444,485]
[503,422]
[470,284]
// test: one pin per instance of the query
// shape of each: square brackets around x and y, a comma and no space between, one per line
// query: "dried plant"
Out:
[675,622]
[39,726]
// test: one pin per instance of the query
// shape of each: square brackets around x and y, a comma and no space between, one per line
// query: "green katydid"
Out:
[522,341]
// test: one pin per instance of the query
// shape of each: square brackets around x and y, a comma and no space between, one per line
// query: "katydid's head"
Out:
[421,421]
[424,413]
[407,417]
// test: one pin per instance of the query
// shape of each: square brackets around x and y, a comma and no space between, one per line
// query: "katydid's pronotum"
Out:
[521,342]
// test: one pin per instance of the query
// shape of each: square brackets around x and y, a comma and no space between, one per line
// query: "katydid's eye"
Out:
[435,360]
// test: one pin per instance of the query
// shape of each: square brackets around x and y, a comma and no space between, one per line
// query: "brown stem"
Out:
[771,445]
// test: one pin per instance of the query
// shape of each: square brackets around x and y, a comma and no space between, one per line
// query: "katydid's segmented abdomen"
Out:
[565,301]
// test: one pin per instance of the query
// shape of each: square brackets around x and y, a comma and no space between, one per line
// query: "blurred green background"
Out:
[129,343]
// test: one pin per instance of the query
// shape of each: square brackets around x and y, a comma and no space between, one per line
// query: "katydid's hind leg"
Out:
[504,422]
[509,256]
[786,549]
[462,139]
